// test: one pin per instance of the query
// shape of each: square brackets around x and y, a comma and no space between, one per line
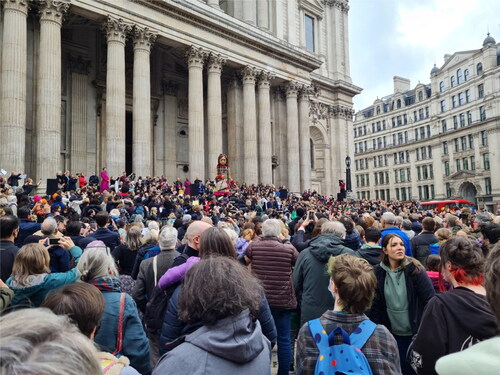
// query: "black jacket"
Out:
[420,291]
[8,252]
[420,245]
[452,322]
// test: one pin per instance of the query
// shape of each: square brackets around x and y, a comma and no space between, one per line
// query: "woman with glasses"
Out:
[121,330]
[403,291]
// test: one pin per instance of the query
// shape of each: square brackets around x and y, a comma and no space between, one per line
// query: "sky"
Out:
[406,37]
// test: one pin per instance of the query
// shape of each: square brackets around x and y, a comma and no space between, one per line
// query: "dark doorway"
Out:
[128,142]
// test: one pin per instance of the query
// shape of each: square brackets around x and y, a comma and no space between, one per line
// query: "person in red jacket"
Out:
[271,260]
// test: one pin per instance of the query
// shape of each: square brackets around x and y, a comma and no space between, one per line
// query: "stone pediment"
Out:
[457,58]
[462,175]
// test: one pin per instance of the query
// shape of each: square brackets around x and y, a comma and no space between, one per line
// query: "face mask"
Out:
[331,291]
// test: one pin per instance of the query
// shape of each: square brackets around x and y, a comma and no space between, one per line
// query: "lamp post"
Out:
[348,173]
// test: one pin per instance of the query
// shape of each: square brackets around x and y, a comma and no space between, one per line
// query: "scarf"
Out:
[107,283]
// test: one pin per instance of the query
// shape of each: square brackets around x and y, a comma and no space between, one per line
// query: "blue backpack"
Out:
[346,358]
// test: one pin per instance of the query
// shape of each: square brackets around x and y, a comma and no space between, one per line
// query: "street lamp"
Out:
[348,173]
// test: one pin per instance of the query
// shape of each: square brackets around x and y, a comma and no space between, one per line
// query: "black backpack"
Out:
[156,306]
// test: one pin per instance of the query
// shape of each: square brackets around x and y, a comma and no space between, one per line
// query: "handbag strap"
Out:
[119,338]
[155,270]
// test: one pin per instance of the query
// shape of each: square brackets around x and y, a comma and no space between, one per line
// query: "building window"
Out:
[486,161]
[309,31]
[453,101]
[441,86]
[471,141]
[462,120]
[463,141]
[405,119]
[421,114]
[479,69]
[461,99]
[402,175]
[455,122]
[425,174]
[378,110]
[465,162]
[420,96]
[459,76]
[484,138]
[482,113]
[419,174]
[428,129]
[448,190]
[456,145]
[420,193]
[473,163]
[452,81]
[480,91]
[469,117]
[467,96]
[458,164]
[422,132]
[416,134]
[487,185]
[426,112]
[445,148]
[443,107]
[408,174]
[443,126]
[415,119]
[466,74]
[398,103]
[446,168]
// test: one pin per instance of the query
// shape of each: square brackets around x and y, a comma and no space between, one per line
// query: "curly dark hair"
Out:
[216,288]
[466,258]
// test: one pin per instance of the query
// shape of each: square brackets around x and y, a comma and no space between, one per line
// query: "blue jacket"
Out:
[110,239]
[59,259]
[26,228]
[173,328]
[40,285]
[135,343]
[401,234]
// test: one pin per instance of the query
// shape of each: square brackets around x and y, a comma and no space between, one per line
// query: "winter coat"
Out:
[452,322]
[419,291]
[272,262]
[420,245]
[40,285]
[111,239]
[301,240]
[8,252]
[233,345]
[152,248]
[371,253]
[135,343]
[125,258]
[310,277]
[173,328]
[353,241]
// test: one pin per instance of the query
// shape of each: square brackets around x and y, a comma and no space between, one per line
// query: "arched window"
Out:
[466,74]
[459,76]
[399,103]
[441,86]
[378,110]
[479,69]
[420,96]
[452,81]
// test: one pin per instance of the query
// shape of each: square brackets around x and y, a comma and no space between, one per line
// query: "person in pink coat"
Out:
[104,180]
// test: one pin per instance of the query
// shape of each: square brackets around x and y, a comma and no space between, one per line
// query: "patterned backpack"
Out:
[345,358]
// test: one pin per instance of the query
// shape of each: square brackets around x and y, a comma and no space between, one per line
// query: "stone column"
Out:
[250,11]
[48,99]
[79,81]
[142,137]
[235,128]
[13,86]
[117,32]
[305,146]
[437,166]
[214,111]
[170,90]
[414,176]
[196,59]
[292,126]
[263,14]
[265,138]
[250,152]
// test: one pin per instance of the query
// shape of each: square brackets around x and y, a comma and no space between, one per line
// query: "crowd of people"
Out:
[135,275]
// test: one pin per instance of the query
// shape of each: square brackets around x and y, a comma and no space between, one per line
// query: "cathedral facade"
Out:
[162,87]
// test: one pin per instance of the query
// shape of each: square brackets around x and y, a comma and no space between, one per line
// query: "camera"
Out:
[53,241]
[311,215]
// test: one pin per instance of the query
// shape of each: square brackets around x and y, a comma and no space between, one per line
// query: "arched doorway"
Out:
[318,159]
[468,192]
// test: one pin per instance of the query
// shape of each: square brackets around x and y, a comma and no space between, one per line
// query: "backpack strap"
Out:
[320,338]
[119,338]
[155,268]
[362,333]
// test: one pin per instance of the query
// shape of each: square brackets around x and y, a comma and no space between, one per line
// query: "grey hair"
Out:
[406,224]
[231,233]
[96,262]
[153,225]
[39,342]
[271,228]
[335,227]
[150,237]
[49,225]
[398,221]
[389,218]
[167,238]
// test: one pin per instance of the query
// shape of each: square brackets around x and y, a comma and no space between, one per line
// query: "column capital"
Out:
[305,92]
[77,64]
[169,87]
[342,5]
[265,79]
[18,5]
[292,89]
[144,38]
[215,62]
[116,29]
[196,56]
[53,10]
[249,74]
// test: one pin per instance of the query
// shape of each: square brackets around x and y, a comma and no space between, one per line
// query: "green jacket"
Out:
[5,297]
[310,277]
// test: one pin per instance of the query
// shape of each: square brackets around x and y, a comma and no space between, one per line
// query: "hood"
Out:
[25,294]
[326,245]
[371,253]
[236,338]
[471,311]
